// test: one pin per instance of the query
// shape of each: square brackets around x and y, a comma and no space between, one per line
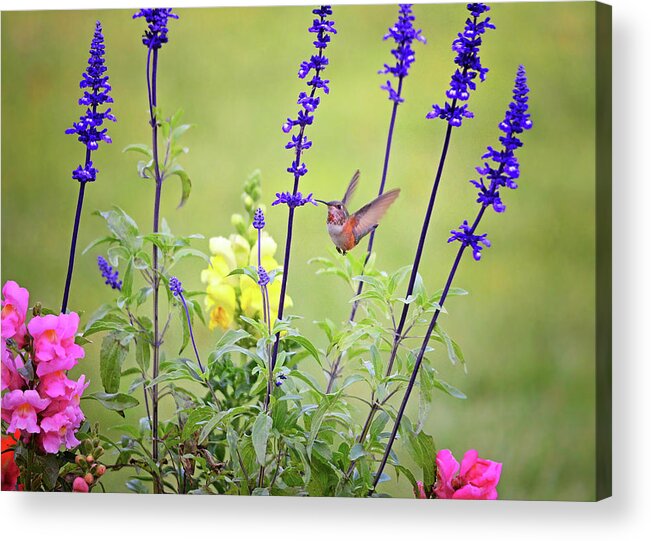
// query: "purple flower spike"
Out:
[258,219]
[505,169]
[96,93]
[404,34]
[156,34]
[111,276]
[263,277]
[309,103]
[176,287]
[469,67]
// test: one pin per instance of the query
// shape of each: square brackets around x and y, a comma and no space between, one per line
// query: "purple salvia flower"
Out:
[258,219]
[176,287]
[506,169]
[263,277]
[404,34]
[469,67]
[89,131]
[467,238]
[96,93]
[156,34]
[309,103]
[516,121]
[110,276]
[323,28]
[293,201]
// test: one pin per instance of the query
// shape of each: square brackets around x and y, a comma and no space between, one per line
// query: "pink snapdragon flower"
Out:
[14,312]
[56,384]
[58,430]
[54,342]
[69,403]
[11,378]
[476,480]
[20,409]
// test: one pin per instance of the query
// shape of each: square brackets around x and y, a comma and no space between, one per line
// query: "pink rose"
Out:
[54,342]
[476,480]
[14,311]
[19,409]
[11,378]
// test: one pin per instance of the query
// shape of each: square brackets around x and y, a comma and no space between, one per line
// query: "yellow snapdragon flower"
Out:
[226,294]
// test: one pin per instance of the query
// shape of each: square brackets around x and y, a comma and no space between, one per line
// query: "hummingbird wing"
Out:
[367,218]
[352,186]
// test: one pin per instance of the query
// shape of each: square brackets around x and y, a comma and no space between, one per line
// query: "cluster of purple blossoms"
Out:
[404,34]
[156,34]
[258,219]
[263,277]
[96,93]
[506,169]
[293,201]
[110,276]
[465,235]
[176,287]
[469,67]
[308,102]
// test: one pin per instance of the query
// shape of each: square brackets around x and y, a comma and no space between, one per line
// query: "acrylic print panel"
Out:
[202,296]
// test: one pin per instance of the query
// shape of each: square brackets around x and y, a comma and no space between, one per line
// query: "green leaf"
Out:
[449,389]
[260,436]
[142,149]
[306,344]
[454,351]
[115,401]
[111,357]
[356,451]
[122,226]
[97,242]
[142,353]
[186,184]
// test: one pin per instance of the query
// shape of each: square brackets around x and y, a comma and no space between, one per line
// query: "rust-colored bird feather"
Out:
[367,218]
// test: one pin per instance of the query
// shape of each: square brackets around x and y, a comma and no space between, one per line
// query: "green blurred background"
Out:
[527,328]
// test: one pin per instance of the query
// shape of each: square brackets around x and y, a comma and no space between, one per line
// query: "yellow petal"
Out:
[240,247]
[221,246]
[268,249]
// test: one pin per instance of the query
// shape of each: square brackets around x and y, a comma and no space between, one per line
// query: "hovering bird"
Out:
[346,230]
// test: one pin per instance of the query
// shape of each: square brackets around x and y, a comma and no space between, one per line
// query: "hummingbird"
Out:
[345,229]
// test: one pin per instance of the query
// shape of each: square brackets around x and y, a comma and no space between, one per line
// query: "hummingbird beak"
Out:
[321,201]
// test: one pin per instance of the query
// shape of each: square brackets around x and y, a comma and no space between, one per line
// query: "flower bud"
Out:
[90,459]
[100,470]
[89,478]
[79,460]
[79,485]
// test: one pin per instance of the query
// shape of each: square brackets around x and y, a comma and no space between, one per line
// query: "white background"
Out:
[627,515]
